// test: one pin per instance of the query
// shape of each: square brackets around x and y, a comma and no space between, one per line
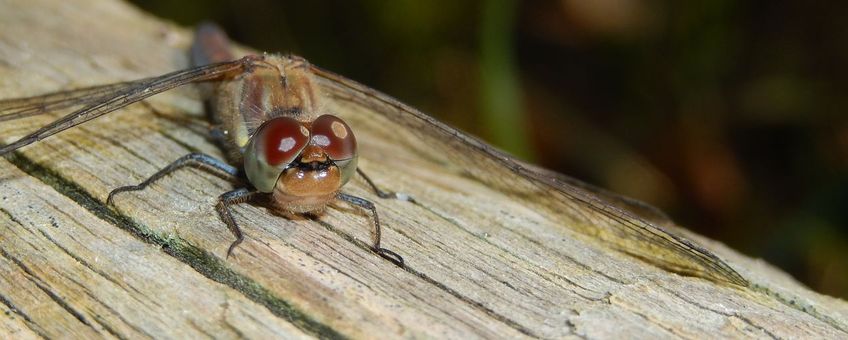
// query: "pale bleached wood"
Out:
[66,273]
[480,263]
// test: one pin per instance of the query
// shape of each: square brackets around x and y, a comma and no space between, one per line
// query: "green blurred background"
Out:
[729,115]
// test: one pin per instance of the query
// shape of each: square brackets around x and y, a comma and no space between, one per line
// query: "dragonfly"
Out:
[284,144]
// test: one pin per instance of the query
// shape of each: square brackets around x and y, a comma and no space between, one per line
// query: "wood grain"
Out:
[480,264]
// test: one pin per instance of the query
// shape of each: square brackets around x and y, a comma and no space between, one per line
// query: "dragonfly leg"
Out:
[383,252]
[198,159]
[225,201]
[384,194]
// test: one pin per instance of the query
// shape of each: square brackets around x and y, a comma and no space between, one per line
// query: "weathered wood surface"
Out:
[479,264]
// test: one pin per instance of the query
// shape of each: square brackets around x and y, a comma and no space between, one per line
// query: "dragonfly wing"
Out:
[586,209]
[100,100]
[16,108]
[642,209]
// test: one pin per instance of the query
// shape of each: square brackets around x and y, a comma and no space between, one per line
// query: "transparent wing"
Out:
[100,100]
[642,209]
[16,108]
[627,225]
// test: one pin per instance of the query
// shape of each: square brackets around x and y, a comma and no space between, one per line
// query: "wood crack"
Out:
[119,316]
[239,334]
[799,306]
[204,263]
[729,315]
[15,310]
[571,259]
[488,311]
[50,293]
[82,261]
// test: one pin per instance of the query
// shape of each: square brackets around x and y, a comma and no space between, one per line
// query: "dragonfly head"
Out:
[295,160]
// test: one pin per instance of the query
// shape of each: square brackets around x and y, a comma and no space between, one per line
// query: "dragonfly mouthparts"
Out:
[312,165]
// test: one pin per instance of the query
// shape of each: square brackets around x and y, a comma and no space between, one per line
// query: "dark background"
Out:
[729,115]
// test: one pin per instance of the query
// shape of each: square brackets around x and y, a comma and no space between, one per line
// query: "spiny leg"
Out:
[363,203]
[226,200]
[384,194]
[203,161]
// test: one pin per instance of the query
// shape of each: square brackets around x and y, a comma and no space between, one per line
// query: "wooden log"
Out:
[480,264]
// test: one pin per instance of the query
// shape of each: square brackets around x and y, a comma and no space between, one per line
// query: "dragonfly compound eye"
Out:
[281,140]
[336,139]
[334,136]
[276,144]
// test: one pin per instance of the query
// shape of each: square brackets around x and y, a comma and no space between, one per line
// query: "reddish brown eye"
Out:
[334,136]
[281,140]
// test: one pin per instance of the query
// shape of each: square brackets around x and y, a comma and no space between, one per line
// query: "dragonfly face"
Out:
[302,164]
